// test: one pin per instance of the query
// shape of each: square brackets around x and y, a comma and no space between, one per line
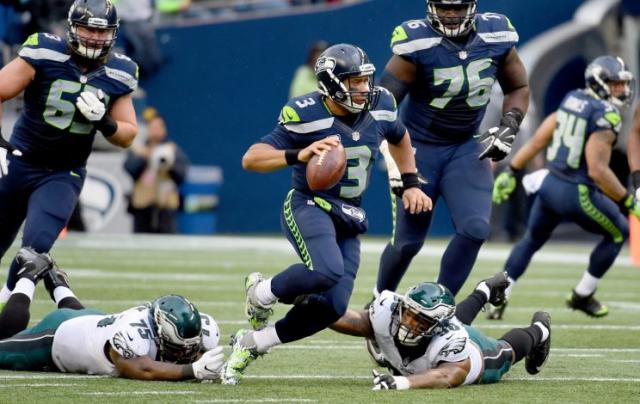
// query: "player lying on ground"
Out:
[427,342]
[167,339]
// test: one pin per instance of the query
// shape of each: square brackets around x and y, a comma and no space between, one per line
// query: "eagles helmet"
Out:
[178,328]
[601,72]
[93,14]
[452,26]
[422,312]
[335,66]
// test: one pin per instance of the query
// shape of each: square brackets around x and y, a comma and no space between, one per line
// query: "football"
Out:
[325,170]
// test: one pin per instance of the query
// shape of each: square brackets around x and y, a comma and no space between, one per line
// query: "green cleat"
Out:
[587,304]
[257,314]
[240,358]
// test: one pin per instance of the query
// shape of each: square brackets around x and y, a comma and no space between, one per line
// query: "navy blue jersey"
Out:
[453,83]
[579,116]
[50,132]
[306,119]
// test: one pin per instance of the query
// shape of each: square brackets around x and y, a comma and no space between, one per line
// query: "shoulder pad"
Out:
[45,46]
[412,36]
[305,114]
[386,108]
[611,118]
[210,332]
[493,28]
[123,69]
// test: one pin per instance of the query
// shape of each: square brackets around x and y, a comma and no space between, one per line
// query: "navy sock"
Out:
[306,319]
[12,278]
[521,255]
[457,262]
[298,280]
[393,265]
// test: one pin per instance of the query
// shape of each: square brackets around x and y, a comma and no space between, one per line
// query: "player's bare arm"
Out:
[123,112]
[354,323]
[633,145]
[14,78]
[413,199]
[446,375]
[540,139]
[513,80]
[145,368]
[264,158]
[597,155]
[398,75]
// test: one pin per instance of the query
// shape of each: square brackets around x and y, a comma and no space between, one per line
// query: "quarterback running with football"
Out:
[323,226]
[73,87]
[167,339]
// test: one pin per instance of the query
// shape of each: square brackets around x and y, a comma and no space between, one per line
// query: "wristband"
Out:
[291,156]
[635,179]
[107,126]
[622,203]
[512,118]
[410,180]
[187,371]
[402,383]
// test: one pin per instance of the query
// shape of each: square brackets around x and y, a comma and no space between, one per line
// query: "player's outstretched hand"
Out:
[498,141]
[318,147]
[209,366]
[6,148]
[91,105]
[383,381]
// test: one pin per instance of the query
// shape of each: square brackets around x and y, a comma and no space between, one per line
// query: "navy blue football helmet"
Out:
[422,312]
[604,70]
[93,14]
[335,66]
[452,26]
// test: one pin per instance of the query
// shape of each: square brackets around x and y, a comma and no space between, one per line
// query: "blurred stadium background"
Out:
[227,69]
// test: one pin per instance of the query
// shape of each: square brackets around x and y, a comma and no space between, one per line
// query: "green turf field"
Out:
[592,361]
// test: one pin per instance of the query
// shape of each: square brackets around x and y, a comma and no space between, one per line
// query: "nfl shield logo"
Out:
[355,136]
[462,55]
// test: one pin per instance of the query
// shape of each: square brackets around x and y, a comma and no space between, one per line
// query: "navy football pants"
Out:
[323,283]
[465,183]
[559,200]
[45,198]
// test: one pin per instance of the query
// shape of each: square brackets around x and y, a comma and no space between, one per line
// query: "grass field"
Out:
[592,361]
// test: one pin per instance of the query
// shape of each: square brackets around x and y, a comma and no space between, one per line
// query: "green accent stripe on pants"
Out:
[589,208]
[295,231]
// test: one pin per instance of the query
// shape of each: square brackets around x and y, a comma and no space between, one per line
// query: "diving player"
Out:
[323,226]
[424,344]
[73,87]
[580,186]
[445,65]
[167,339]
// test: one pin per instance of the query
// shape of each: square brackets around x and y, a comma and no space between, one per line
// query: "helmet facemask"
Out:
[451,26]
[172,346]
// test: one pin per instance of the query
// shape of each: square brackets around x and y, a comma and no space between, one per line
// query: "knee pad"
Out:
[476,228]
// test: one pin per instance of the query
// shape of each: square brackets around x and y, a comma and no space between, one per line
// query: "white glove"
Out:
[395,180]
[91,106]
[383,381]
[209,366]
[6,148]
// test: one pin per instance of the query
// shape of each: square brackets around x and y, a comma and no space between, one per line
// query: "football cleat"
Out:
[497,285]
[257,314]
[587,304]
[534,362]
[32,265]
[240,358]
[496,312]
[54,278]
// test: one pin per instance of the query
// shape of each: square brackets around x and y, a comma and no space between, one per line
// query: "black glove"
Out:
[500,138]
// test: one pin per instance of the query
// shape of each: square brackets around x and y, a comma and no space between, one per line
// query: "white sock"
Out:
[263,293]
[26,287]
[545,330]
[512,283]
[266,338]
[482,287]
[587,284]
[4,294]
[62,292]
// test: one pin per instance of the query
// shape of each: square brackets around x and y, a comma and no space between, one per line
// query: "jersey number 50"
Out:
[59,113]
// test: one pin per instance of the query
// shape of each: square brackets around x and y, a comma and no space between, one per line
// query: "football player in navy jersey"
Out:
[445,66]
[73,87]
[322,226]
[580,186]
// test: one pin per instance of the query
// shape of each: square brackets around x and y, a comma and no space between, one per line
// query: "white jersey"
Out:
[452,345]
[81,344]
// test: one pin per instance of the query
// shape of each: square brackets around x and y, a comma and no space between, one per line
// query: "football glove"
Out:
[383,381]
[499,139]
[209,366]
[6,148]
[629,203]
[91,105]
[504,185]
